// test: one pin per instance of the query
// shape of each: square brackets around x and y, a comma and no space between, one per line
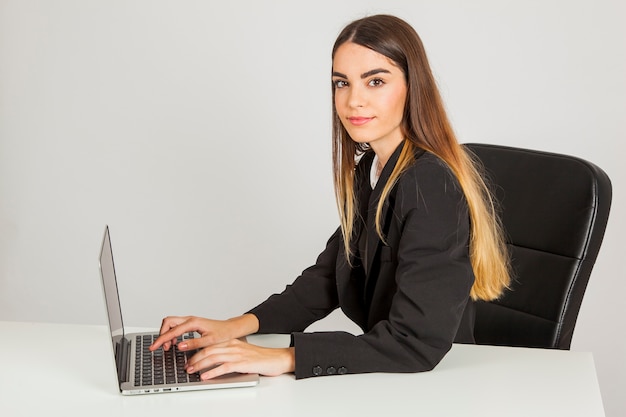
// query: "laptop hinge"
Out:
[122,359]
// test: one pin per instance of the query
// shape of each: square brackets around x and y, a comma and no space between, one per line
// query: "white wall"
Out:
[200,131]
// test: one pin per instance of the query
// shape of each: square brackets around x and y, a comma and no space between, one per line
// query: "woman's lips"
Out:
[359,121]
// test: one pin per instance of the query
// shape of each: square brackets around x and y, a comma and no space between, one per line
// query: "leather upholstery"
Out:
[554,210]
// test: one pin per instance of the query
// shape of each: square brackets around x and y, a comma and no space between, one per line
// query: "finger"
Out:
[222,369]
[169,337]
[208,349]
[222,364]
[213,361]
[166,339]
[196,343]
[170,322]
[209,357]
[198,360]
[208,337]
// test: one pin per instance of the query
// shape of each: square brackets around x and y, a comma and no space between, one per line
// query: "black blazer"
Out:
[408,294]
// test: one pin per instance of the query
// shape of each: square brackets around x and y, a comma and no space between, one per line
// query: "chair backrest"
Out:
[554,210]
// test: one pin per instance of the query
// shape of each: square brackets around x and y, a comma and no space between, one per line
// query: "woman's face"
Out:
[370,94]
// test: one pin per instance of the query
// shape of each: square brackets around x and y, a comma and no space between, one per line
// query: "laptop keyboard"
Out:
[161,366]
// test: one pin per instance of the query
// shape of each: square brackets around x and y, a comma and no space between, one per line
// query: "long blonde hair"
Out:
[425,125]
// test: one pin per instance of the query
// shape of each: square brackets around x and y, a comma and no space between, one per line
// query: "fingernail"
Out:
[182,346]
[190,369]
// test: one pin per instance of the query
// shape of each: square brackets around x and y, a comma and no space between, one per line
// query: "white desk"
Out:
[53,369]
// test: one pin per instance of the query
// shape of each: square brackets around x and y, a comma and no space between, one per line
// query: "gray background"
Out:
[200,131]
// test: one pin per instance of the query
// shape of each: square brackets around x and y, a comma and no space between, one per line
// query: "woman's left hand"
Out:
[237,356]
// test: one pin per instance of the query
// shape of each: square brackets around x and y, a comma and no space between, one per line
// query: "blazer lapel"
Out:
[373,240]
[363,191]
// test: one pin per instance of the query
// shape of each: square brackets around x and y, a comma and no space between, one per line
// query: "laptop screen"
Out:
[109,283]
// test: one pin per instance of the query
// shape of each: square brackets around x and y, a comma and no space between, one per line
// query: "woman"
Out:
[419,238]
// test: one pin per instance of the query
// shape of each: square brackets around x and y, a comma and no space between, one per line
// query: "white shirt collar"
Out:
[373,172]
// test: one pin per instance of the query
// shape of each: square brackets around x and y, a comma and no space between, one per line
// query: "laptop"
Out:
[140,371]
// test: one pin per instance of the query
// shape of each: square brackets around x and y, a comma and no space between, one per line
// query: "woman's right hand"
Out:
[211,331]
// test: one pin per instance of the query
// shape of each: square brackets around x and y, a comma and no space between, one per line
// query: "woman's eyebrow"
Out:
[374,72]
[365,74]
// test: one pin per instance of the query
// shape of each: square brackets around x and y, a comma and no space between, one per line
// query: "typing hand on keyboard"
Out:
[161,366]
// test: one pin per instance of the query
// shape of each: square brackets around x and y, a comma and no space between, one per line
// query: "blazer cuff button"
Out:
[331,370]
[317,370]
[342,370]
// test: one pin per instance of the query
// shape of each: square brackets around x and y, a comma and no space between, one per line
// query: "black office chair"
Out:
[554,210]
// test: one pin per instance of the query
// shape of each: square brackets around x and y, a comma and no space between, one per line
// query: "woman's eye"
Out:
[340,83]
[376,82]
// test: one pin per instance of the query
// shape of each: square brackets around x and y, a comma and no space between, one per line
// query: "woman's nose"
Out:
[357,97]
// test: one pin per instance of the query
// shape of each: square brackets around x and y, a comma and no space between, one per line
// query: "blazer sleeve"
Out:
[433,277]
[311,297]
